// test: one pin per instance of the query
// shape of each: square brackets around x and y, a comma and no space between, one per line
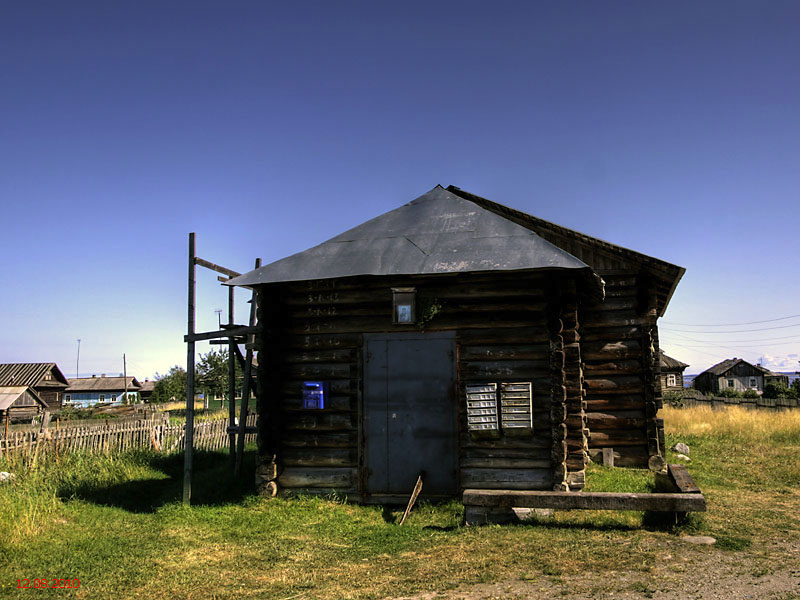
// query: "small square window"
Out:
[67,398]
[403,300]
[753,382]
[671,380]
[730,383]
[102,397]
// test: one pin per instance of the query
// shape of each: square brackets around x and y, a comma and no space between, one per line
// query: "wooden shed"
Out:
[461,339]
[20,403]
[45,378]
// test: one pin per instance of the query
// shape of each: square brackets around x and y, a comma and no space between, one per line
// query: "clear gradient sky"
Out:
[672,128]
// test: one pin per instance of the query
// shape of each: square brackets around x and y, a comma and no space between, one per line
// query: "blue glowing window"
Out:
[314,393]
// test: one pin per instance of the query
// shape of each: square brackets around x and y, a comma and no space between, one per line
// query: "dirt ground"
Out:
[684,571]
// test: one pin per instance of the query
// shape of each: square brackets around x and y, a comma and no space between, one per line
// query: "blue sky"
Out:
[669,128]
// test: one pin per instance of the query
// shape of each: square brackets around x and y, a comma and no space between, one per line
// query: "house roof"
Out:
[665,275]
[726,365]
[10,394]
[439,232]
[102,384]
[29,374]
[768,372]
[667,362]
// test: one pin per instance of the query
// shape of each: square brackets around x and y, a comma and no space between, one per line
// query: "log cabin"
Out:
[461,340]
[738,375]
[671,373]
[20,403]
[46,379]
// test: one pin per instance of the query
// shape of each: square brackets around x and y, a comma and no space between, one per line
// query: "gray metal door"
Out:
[410,413]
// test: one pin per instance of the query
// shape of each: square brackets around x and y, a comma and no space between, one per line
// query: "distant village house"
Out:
[85,392]
[45,379]
[671,373]
[146,391]
[739,375]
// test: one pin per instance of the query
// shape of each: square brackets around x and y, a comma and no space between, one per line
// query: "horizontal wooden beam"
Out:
[217,268]
[223,333]
[235,429]
[657,502]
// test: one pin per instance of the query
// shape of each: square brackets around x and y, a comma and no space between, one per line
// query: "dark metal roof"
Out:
[726,365]
[667,362]
[102,384]
[666,274]
[439,232]
[30,374]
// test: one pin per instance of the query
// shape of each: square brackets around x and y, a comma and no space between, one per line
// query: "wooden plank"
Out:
[500,478]
[319,421]
[682,480]
[506,463]
[209,265]
[313,477]
[657,502]
[222,333]
[621,385]
[413,499]
[614,438]
[322,355]
[506,452]
[522,370]
[319,457]
[619,367]
[312,371]
[504,352]
[300,439]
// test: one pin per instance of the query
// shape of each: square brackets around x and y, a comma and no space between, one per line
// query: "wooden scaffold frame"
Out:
[235,334]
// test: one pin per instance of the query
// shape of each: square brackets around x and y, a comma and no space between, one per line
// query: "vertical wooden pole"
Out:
[248,371]
[125,375]
[189,435]
[231,384]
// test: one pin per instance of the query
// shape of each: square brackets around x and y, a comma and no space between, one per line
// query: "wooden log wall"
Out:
[575,402]
[621,370]
[313,331]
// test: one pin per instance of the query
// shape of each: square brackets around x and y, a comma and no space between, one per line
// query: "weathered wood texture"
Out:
[676,479]
[117,436]
[314,331]
[619,345]
[658,502]
[593,370]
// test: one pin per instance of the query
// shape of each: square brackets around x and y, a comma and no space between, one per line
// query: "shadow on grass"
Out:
[213,484]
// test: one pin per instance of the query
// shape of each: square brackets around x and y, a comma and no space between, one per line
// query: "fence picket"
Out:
[120,437]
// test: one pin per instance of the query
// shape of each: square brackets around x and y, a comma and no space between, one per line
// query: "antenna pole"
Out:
[78,361]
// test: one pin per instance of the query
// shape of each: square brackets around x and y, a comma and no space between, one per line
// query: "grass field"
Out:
[114,524]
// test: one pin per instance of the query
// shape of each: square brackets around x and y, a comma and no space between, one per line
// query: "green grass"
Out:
[116,524]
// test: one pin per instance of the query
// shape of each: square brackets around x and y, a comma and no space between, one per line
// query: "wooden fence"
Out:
[756,403]
[55,422]
[121,436]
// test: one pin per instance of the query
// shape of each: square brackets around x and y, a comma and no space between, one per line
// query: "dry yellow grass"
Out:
[732,421]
